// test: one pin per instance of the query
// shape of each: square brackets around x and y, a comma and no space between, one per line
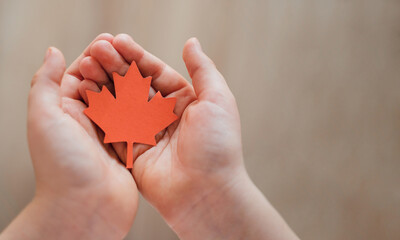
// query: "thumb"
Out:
[52,69]
[46,82]
[208,82]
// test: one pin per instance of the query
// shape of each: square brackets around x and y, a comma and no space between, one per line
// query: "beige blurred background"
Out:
[317,83]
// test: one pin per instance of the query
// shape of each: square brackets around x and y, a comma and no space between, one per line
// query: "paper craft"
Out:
[130,117]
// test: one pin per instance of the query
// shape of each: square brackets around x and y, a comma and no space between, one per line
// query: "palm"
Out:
[91,162]
[171,174]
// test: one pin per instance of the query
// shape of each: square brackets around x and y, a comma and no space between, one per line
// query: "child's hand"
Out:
[82,190]
[195,174]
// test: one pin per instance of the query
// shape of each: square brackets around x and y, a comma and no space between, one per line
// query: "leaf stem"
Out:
[129,155]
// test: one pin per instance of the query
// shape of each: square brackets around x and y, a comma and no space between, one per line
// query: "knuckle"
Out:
[123,36]
[35,79]
[104,35]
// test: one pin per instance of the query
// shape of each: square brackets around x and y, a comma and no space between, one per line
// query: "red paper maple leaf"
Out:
[130,117]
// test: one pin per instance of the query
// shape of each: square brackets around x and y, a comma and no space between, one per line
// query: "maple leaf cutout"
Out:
[130,117]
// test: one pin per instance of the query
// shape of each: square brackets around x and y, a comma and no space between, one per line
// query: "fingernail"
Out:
[197,44]
[48,53]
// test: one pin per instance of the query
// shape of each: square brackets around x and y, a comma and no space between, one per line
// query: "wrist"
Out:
[237,210]
[51,217]
[215,215]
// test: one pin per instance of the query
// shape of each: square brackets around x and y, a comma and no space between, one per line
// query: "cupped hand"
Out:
[75,172]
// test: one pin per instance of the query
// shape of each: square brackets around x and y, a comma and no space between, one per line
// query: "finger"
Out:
[45,85]
[164,78]
[184,97]
[91,69]
[208,83]
[87,85]
[73,69]
[72,77]
[44,96]
[111,61]
[109,58]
